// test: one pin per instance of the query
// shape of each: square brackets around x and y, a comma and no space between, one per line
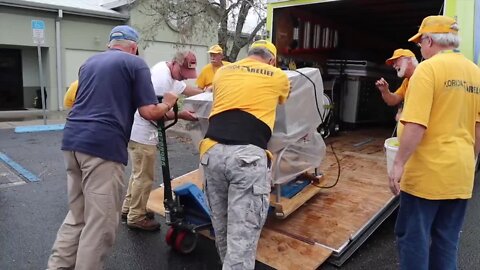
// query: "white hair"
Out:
[446,39]
[414,60]
[124,43]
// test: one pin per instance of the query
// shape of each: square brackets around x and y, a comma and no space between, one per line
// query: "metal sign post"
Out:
[38,29]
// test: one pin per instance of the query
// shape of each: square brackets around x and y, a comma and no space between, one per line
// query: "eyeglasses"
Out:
[419,44]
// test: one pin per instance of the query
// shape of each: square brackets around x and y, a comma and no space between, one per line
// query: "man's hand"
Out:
[159,110]
[394,177]
[187,115]
[208,89]
[169,98]
[382,85]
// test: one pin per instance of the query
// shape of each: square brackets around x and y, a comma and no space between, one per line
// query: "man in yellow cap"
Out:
[205,78]
[434,167]
[234,152]
[404,62]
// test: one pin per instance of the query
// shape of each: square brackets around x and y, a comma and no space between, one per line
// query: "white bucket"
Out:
[391,148]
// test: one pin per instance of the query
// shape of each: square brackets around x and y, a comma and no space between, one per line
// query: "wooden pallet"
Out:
[286,206]
[331,219]
[275,249]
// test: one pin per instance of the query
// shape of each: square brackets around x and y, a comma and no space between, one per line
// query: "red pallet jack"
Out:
[186,210]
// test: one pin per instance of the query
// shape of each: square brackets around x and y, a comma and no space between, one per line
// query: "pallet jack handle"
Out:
[168,202]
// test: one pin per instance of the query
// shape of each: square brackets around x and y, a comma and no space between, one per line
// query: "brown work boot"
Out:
[145,224]
[149,215]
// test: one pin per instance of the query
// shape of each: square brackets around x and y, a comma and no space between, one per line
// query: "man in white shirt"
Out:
[166,77]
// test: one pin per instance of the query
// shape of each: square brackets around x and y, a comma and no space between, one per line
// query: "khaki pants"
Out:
[95,187]
[140,184]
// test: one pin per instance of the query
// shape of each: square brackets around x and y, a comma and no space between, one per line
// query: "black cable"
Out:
[315,93]
[441,9]
[331,144]
[338,171]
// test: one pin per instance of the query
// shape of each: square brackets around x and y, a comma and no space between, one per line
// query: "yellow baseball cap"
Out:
[265,44]
[435,24]
[399,53]
[215,49]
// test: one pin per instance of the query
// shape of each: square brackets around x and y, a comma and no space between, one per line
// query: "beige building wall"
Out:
[81,37]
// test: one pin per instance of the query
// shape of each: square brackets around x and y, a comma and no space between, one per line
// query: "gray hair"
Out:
[446,39]
[261,52]
[179,57]
[124,43]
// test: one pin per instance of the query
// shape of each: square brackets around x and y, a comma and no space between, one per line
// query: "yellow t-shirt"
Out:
[401,91]
[70,95]
[444,97]
[403,88]
[251,86]
[205,78]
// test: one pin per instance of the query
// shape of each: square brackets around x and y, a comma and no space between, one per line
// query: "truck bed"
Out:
[335,222]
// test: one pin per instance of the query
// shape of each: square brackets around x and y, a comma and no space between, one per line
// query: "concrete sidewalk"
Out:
[13,119]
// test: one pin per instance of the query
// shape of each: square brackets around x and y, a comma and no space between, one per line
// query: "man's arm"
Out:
[191,91]
[411,137]
[390,98]
[157,111]
[477,138]
[185,115]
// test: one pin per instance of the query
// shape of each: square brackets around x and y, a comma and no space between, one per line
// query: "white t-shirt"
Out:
[143,131]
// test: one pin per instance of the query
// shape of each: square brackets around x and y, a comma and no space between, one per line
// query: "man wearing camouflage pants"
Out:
[233,153]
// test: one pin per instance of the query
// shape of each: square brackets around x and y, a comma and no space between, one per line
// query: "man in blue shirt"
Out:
[112,86]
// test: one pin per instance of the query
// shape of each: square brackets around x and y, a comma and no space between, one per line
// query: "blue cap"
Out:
[124,32]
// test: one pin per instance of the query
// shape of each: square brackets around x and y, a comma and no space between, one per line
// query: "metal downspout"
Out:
[476,34]
[58,49]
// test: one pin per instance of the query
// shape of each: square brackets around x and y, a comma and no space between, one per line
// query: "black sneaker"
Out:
[149,215]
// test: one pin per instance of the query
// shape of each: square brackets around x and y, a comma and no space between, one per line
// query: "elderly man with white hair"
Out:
[404,62]
[434,167]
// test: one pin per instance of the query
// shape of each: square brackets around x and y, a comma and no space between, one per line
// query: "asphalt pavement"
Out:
[31,213]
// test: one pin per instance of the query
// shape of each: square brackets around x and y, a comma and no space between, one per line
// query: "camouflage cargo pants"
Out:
[237,185]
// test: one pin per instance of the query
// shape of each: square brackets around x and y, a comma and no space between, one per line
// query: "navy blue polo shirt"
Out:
[112,85]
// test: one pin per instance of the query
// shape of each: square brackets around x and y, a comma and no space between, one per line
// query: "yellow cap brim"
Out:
[415,38]
[390,60]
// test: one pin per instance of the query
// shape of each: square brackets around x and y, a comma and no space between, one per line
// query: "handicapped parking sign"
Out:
[38,28]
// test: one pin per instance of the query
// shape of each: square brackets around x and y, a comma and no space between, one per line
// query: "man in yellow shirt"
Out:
[205,78]
[404,62]
[70,95]
[234,156]
[434,168]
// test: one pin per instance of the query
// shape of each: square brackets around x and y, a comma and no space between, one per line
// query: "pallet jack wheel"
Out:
[186,241]
[171,236]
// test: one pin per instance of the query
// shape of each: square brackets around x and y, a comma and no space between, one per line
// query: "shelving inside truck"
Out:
[338,36]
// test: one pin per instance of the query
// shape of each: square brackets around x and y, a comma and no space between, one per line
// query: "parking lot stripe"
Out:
[18,168]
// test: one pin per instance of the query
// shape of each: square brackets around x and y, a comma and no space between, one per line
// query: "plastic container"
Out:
[391,148]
